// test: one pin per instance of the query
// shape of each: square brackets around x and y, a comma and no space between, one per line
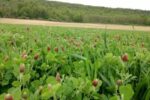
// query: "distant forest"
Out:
[57,11]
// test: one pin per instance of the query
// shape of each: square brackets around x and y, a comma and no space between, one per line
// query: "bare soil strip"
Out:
[65,24]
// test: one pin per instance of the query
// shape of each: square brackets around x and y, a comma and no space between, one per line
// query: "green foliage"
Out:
[56,11]
[87,64]
[126,92]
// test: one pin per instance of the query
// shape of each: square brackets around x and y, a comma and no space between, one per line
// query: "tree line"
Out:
[57,11]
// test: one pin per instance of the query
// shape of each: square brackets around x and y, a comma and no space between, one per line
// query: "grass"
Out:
[75,63]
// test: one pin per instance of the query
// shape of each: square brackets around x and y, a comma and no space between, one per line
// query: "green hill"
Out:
[57,11]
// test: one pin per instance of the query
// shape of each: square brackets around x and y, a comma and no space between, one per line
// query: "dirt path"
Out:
[65,24]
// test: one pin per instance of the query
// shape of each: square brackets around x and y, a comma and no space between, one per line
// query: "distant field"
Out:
[64,63]
[79,25]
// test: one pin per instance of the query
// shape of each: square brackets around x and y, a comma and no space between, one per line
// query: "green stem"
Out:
[54,96]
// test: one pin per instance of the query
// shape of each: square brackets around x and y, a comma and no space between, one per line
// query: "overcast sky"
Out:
[133,4]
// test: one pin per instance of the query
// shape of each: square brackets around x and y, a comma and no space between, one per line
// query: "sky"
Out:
[132,4]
